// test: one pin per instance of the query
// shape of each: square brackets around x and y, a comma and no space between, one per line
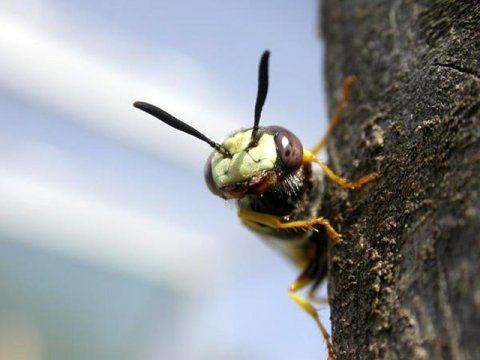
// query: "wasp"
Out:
[269,174]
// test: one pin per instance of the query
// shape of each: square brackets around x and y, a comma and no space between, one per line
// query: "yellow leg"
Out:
[298,284]
[275,222]
[309,157]
[347,83]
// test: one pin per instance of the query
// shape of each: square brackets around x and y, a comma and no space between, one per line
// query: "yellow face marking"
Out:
[243,164]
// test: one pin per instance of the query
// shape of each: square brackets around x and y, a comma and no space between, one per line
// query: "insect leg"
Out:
[318,279]
[275,222]
[347,83]
[305,278]
[309,157]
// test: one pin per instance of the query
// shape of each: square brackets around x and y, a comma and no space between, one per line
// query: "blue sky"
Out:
[88,180]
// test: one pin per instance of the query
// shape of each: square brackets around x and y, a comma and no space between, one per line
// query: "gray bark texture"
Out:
[405,281]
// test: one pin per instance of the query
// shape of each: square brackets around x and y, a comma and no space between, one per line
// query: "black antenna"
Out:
[179,125]
[261,93]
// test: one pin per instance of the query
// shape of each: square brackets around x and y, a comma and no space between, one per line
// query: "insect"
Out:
[269,174]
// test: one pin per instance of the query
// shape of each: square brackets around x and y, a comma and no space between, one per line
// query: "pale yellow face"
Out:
[243,164]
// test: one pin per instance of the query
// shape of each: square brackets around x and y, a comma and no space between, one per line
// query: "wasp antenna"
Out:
[261,93]
[179,125]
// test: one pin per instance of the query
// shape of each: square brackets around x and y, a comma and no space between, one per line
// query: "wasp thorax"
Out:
[253,168]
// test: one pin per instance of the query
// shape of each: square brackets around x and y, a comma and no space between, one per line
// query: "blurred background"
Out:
[111,246]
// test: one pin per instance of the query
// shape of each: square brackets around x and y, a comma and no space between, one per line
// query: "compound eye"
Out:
[212,186]
[289,147]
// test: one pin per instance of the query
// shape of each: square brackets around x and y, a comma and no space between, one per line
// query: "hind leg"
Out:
[305,279]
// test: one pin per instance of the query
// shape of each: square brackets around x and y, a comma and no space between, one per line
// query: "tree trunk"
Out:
[405,282]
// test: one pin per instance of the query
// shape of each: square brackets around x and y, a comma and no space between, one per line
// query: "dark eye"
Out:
[289,148]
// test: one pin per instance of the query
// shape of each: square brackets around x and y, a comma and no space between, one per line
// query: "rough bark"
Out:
[405,282]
